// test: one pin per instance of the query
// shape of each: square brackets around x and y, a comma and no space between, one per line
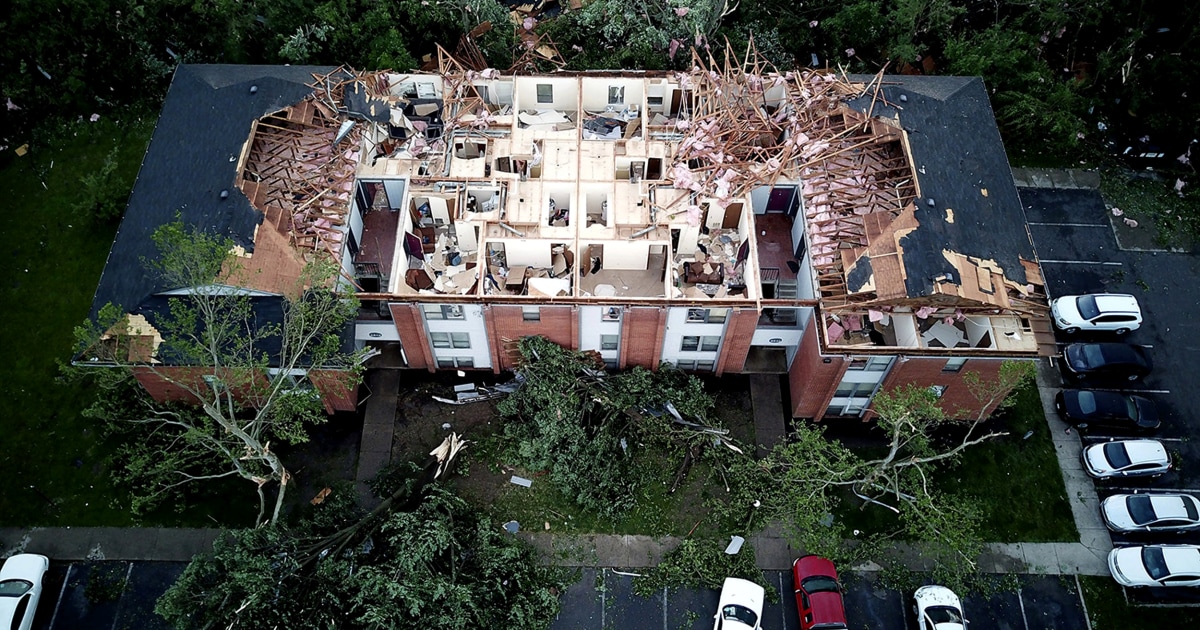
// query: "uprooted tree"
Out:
[239,363]
[803,481]
[422,558]
[585,427]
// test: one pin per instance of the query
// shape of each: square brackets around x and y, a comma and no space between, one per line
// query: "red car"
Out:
[818,594]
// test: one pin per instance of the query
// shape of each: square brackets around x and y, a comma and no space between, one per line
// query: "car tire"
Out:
[1121,331]
[1071,331]
[1133,377]
[1081,426]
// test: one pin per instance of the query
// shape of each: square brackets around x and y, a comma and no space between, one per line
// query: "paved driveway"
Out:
[1076,241]
[604,599]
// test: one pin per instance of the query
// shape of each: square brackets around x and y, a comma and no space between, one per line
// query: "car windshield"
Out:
[1131,408]
[14,588]
[1087,306]
[741,614]
[1156,565]
[819,584]
[943,614]
[1140,509]
[1116,455]
[1092,355]
[1087,402]
[1190,508]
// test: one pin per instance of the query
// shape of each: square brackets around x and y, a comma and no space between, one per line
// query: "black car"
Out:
[1084,408]
[1121,361]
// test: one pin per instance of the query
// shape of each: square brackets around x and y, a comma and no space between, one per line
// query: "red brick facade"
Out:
[956,400]
[739,332]
[811,380]
[642,330]
[167,384]
[411,327]
[559,324]
[339,389]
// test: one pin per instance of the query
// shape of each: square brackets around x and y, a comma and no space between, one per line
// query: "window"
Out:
[955,364]
[854,390]
[938,390]
[707,343]
[460,362]
[704,366]
[545,93]
[609,342]
[616,95]
[460,340]
[442,311]
[686,365]
[440,339]
[531,313]
[450,340]
[707,315]
[870,364]
[611,314]
[445,362]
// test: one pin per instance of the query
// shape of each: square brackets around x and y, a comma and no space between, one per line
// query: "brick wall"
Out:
[739,332]
[411,328]
[506,321]
[957,400]
[339,389]
[157,382]
[811,380]
[642,331]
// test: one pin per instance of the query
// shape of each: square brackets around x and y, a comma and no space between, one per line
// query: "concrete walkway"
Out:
[379,424]
[1071,178]
[108,543]
[769,424]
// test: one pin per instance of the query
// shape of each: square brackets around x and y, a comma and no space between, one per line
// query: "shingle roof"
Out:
[205,120]
[960,164]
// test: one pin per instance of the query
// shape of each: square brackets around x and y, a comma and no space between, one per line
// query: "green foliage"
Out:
[1174,214]
[104,192]
[701,564]
[105,582]
[441,565]
[584,426]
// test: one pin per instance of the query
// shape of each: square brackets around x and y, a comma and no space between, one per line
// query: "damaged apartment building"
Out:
[853,232]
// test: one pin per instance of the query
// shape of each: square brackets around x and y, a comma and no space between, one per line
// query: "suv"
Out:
[1116,312]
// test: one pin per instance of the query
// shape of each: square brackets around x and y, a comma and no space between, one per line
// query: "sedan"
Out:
[1116,312]
[818,594]
[1126,458]
[938,608]
[1107,360]
[1156,565]
[740,606]
[1130,513]
[20,588]
[1084,408]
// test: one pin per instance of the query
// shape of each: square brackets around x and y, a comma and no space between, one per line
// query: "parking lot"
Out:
[1078,247]
[603,599]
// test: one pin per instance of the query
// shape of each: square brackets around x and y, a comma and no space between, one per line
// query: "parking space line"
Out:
[62,591]
[903,611]
[603,596]
[1106,438]
[1145,490]
[1096,225]
[665,609]
[1021,601]
[121,597]
[1130,391]
[782,594]
[1082,262]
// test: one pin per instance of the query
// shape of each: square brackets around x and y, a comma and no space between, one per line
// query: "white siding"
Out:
[678,327]
[592,324]
[472,323]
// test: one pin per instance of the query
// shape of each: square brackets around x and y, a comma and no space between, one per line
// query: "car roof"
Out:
[1122,352]
[24,566]
[1143,450]
[1170,505]
[1181,558]
[1116,303]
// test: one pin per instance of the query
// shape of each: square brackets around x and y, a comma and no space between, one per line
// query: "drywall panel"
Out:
[395,192]
[530,253]
[439,210]
[468,239]
[564,93]
[688,236]
[906,330]
[356,221]
[758,199]
[597,92]
[624,255]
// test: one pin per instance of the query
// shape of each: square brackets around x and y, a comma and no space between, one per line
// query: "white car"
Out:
[20,589]
[740,606]
[938,608]
[1130,513]
[1156,565]
[1116,312]
[1126,458]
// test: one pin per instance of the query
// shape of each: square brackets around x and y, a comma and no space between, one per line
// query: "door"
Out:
[782,199]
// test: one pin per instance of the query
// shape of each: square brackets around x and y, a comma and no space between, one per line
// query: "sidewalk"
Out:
[772,552]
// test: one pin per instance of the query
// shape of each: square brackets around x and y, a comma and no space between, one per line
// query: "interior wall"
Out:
[526,252]
[977,327]
[566,93]
[395,192]
[688,237]
[758,199]
[906,330]
[595,93]
[625,255]
[468,240]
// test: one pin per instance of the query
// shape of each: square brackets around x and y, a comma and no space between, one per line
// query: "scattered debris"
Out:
[512,527]
[735,545]
[320,498]
[521,481]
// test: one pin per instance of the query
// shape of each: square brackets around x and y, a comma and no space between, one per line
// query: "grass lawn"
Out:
[1108,611]
[1016,480]
[52,460]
